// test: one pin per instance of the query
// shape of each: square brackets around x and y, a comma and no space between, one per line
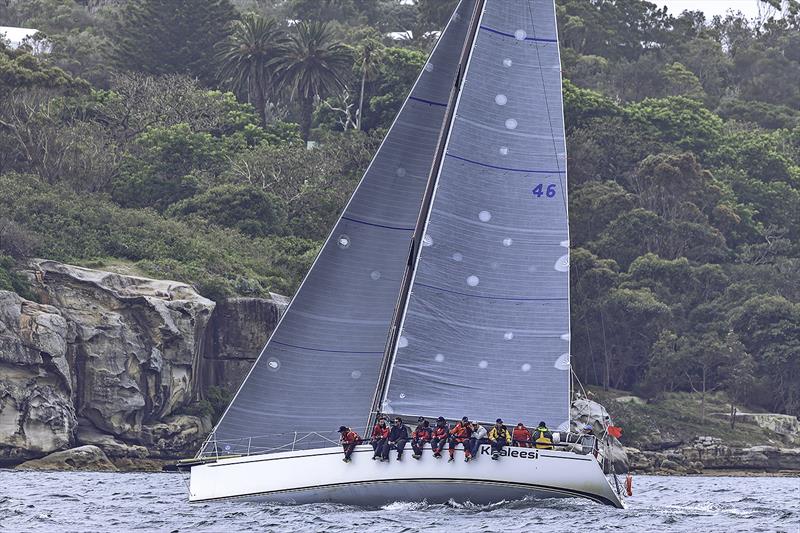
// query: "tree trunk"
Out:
[361,96]
[733,416]
[703,399]
[306,116]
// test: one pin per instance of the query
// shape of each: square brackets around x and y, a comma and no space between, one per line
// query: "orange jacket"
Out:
[379,432]
[460,431]
[350,437]
[440,432]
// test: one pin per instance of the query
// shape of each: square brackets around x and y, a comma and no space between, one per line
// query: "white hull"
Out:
[320,475]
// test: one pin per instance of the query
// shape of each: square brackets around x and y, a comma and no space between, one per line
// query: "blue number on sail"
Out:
[539,190]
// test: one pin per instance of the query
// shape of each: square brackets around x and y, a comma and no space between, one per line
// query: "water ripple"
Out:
[89,502]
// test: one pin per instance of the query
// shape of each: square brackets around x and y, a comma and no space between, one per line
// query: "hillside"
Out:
[173,143]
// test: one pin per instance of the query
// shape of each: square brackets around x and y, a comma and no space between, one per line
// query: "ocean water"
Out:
[89,502]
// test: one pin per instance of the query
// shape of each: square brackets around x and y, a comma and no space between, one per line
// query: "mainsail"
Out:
[485,332]
[321,365]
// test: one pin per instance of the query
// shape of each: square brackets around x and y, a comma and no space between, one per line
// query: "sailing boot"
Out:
[451,459]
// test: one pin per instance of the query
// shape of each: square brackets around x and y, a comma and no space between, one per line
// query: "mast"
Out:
[419,228]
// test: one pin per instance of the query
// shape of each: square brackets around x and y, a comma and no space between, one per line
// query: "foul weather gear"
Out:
[521,437]
[543,438]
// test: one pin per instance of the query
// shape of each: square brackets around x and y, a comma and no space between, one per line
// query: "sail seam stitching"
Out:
[490,297]
[536,39]
[424,101]
[321,350]
[377,225]
[530,171]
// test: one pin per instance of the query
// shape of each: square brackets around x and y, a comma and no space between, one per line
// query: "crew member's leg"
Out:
[400,445]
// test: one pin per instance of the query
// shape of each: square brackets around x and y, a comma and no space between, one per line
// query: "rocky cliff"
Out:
[118,362]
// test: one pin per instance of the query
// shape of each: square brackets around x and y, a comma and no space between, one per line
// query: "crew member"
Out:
[521,436]
[349,439]
[422,434]
[398,437]
[499,437]
[379,435]
[542,437]
[479,436]
[439,436]
[459,435]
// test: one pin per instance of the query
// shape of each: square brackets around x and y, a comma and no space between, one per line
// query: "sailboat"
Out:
[442,290]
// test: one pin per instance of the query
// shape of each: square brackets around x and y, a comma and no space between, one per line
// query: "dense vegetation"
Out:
[170,140]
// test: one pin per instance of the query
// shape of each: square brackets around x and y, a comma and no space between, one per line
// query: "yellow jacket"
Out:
[494,434]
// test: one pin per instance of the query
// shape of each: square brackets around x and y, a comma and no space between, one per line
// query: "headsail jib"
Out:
[321,365]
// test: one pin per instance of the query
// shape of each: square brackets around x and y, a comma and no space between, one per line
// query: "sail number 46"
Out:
[540,190]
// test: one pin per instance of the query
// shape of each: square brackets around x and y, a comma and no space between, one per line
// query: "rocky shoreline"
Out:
[111,372]
[120,363]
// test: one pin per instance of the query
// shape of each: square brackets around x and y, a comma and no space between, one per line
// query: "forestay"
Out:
[486,328]
[320,367]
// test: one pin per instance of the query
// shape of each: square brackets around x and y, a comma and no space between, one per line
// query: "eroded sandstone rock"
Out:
[36,411]
[135,343]
[80,458]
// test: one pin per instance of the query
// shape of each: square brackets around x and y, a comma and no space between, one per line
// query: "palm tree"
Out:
[369,58]
[312,68]
[249,57]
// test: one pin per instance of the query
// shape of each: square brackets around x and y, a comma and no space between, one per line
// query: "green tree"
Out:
[172,36]
[312,68]
[248,209]
[249,57]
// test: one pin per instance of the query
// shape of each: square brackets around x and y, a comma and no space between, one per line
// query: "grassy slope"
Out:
[677,417]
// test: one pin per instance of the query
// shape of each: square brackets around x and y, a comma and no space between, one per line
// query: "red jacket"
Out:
[440,432]
[422,433]
[379,432]
[461,431]
[350,437]
[521,435]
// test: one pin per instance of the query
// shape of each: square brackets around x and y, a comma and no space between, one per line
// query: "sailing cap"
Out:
[440,419]
[421,419]
[542,423]
[499,421]
[342,429]
[465,419]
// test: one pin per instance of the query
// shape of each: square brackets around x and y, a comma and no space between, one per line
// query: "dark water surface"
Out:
[56,502]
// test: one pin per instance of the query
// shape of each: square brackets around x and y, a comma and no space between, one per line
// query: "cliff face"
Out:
[113,361]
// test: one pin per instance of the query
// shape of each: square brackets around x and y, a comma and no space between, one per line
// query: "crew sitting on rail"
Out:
[542,437]
[398,437]
[521,436]
[421,435]
[459,435]
[378,438]
[499,437]
[439,436]
[349,439]
[477,437]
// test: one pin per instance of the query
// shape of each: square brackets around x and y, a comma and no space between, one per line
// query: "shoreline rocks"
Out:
[80,458]
[709,453]
[119,362]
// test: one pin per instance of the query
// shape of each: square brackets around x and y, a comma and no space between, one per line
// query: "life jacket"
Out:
[350,437]
[522,435]
[379,432]
[501,433]
[422,433]
[460,431]
[544,439]
[440,432]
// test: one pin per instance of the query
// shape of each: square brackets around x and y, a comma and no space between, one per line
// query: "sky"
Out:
[710,7]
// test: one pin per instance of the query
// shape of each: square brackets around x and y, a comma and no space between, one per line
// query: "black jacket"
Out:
[398,432]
